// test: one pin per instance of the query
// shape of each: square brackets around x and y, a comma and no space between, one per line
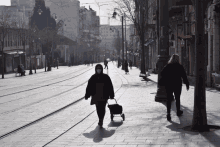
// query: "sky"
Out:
[106,9]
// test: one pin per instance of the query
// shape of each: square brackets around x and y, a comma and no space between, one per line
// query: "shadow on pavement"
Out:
[99,133]
[186,120]
[115,124]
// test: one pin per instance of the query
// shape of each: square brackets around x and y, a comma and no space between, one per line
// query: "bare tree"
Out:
[5,23]
[137,12]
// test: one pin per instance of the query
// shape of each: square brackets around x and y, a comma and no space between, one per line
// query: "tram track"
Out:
[32,94]
[44,85]
[56,112]
[24,106]
[61,76]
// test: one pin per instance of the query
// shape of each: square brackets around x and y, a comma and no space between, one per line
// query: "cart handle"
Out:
[115,101]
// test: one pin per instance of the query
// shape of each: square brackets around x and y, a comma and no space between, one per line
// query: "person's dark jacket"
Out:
[19,69]
[130,63]
[106,89]
[106,62]
[172,75]
[126,67]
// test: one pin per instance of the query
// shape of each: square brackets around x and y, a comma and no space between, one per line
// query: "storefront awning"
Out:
[12,52]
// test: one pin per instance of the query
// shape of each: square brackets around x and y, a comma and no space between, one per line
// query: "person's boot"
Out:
[168,117]
[179,113]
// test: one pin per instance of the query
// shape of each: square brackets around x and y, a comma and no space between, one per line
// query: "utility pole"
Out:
[199,121]
[3,40]
[143,72]
[30,45]
[122,18]
[125,41]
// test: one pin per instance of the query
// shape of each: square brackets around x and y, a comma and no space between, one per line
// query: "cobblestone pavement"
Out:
[145,122]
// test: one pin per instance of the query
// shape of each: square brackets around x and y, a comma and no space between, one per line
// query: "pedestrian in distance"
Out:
[171,77]
[57,63]
[19,69]
[54,63]
[100,88]
[130,64]
[126,67]
[22,70]
[106,64]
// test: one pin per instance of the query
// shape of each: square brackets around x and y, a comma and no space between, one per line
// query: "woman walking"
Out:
[171,77]
[101,89]
[126,67]
[130,64]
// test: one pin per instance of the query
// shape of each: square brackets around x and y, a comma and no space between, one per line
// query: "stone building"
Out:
[89,34]
[182,38]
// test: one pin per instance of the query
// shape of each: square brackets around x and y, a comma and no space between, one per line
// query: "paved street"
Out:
[26,99]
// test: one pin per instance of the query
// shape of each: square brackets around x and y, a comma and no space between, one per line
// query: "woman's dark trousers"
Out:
[100,109]
[177,92]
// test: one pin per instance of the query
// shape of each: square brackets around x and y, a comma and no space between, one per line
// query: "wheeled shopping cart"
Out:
[116,109]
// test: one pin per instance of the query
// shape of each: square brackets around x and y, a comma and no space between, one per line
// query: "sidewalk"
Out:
[145,122]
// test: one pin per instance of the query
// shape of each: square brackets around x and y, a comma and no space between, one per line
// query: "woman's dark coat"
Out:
[126,67]
[99,85]
[130,63]
[172,75]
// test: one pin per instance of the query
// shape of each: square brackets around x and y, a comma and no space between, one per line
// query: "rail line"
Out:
[55,112]
[44,85]
[66,74]
[44,91]
[24,106]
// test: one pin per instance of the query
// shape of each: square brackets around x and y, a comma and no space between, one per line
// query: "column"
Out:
[210,56]
[216,44]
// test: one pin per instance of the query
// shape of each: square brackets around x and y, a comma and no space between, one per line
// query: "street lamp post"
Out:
[119,51]
[122,18]
[30,72]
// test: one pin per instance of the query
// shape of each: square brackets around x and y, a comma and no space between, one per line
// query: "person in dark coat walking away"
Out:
[101,89]
[171,77]
[54,63]
[19,69]
[130,64]
[57,63]
[126,67]
[22,70]
[106,64]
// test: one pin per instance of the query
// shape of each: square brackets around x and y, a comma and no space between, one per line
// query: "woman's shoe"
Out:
[179,113]
[168,117]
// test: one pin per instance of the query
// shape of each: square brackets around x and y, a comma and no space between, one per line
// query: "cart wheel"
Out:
[112,117]
[123,116]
